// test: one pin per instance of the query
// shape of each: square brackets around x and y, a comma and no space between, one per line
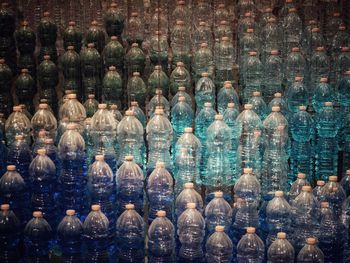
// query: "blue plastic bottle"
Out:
[95,236]
[322,93]
[70,238]
[250,248]
[129,186]
[160,192]
[259,105]
[161,239]
[37,237]
[140,115]
[9,235]
[219,246]
[227,94]
[42,172]
[130,236]
[181,92]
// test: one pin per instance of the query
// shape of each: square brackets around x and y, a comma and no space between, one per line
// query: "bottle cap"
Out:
[71,23]
[102,106]
[180,22]
[320,183]
[333,178]
[11,168]
[205,74]
[112,68]
[191,205]
[47,57]
[202,23]
[253,53]
[181,99]
[328,104]
[278,95]
[301,176]
[219,117]
[42,134]
[320,49]
[91,96]
[188,185]
[324,80]
[99,157]
[5,207]
[311,241]
[114,38]
[181,2]
[281,235]
[43,106]
[70,212]
[276,108]
[23,70]
[161,213]
[336,14]
[347,172]
[134,45]
[219,229]
[221,5]
[72,126]
[134,14]
[292,10]
[134,103]
[49,141]
[271,20]
[302,108]
[298,78]
[248,106]
[159,111]
[250,230]
[315,30]
[95,207]
[180,64]
[256,94]
[225,39]
[247,170]
[160,164]
[218,194]
[345,49]
[136,74]
[129,206]
[71,96]
[25,23]
[129,158]
[347,72]
[37,214]
[129,113]
[267,10]
[17,108]
[279,193]
[207,104]
[230,105]
[157,67]
[19,137]
[46,14]
[274,52]
[188,130]
[204,45]
[224,23]
[306,188]
[41,151]
[250,30]
[324,205]
[90,45]
[247,14]
[341,28]
[94,23]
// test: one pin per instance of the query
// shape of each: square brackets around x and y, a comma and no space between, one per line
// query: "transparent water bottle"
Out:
[158,80]
[280,101]
[202,33]
[227,94]
[281,250]
[129,186]
[159,21]
[340,39]
[321,94]
[273,75]
[250,247]
[319,65]
[181,91]
[271,38]
[204,91]
[95,235]
[296,187]
[9,234]
[249,42]
[191,227]
[17,124]
[334,194]
[73,110]
[130,235]
[317,191]
[203,61]
[158,100]
[135,29]
[310,252]
[116,113]
[90,105]
[140,115]
[135,60]
[180,76]
[253,75]
[247,186]
[70,237]
[219,246]
[297,95]
[44,119]
[37,236]
[188,195]
[292,30]
[137,89]
[160,192]
[259,105]
[224,59]
[180,43]
[295,65]
[161,239]
[158,50]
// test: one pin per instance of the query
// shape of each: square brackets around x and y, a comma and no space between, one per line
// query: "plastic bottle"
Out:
[224,59]
[218,212]
[158,100]
[295,65]
[39,142]
[340,65]
[270,38]
[73,110]
[280,101]
[219,175]
[273,75]
[345,183]
[292,30]
[159,137]
[70,237]
[340,39]
[327,127]
[180,77]
[158,50]
[135,29]
[278,217]
[310,252]
[181,92]
[281,250]
[297,95]
[317,191]
[37,236]
[130,236]
[161,239]
[297,186]
[17,124]
[140,115]
[43,119]
[25,87]
[219,246]
[204,91]
[188,195]
[319,67]
[160,192]
[137,89]
[259,105]
[322,93]
[191,227]
[129,186]
[9,235]
[112,87]
[249,42]
[72,36]
[96,235]
[250,247]
[71,149]
[227,94]
[13,191]
[180,43]
[253,75]
[202,33]
[247,186]
[203,61]
[334,194]
[90,105]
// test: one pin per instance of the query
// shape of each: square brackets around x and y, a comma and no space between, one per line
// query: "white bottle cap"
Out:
[279,193]
[19,137]
[320,183]
[180,64]
[324,80]
[302,108]
[191,205]
[347,172]
[219,229]
[130,207]
[95,207]
[207,104]
[301,176]
[218,194]
[281,235]
[230,105]
[136,74]
[188,130]
[181,88]
[328,104]
[159,111]
[71,96]
[70,212]
[72,126]
[112,68]
[276,108]
[102,106]
[129,113]
[43,106]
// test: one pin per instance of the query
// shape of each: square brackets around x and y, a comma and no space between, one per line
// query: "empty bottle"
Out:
[281,250]
[9,235]
[296,187]
[259,105]
[310,253]
[96,236]
[203,61]
[73,110]
[227,94]
[90,105]
[297,95]
[180,43]
[322,93]
[273,75]
[158,50]
[219,246]
[247,186]
[160,192]
[130,236]
[224,58]
[44,119]
[70,237]
[158,80]
[280,101]
[181,91]
[112,89]
[17,124]
[161,239]
[292,30]
[250,247]
[319,67]
[140,115]
[334,194]
[113,54]
[253,75]
[340,65]
[37,237]
[317,191]
[180,77]
[158,100]
[188,195]
[129,186]
[204,91]
[191,227]
[134,29]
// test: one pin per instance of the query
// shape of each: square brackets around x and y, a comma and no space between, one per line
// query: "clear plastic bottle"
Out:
[310,253]
[9,234]
[181,12]
[135,60]
[334,194]
[158,79]
[95,236]
[204,91]
[319,64]
[219,246]
[340,39]
[158,100]
[227,94]
[202,11]
[137,90]
[188,195]
[161,239]
[181,43]
[295,65]
[140,115]
[160,192]
[259,105]
[249,42]
[43,119]
[158,50]
[253,69]
[297,95]
[130,235]
[273,75]
[114,109]
[296,187]
[224,59]
[180,76]
[90,105]
[281,250]
[134,32]
[202,33]
[278,217]
[42,172]
[247,186]
[322,93]
[181,91]
[17,124]
[191,226]
[271,38]
[280,101]
[203,61]
[317,191]
[73,110]
[129,186]
[37,236]
[250,248]
[159,21]
[292,30]
[332,23]
[70,237]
